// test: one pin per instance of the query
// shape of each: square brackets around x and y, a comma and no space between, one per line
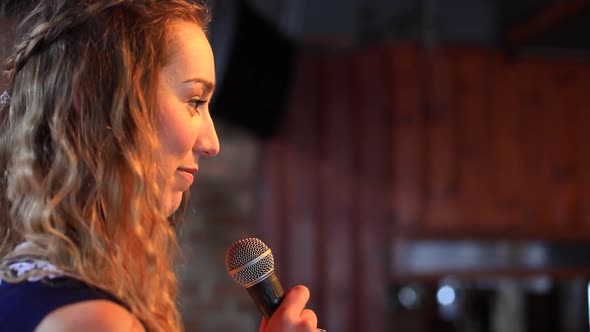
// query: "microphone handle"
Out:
[267,295]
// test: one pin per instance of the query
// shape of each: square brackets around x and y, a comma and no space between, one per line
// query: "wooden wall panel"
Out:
[336,189]
[575,138]
[577,134]
[530,105]
[396,142]
[441,143]
[371,86]
[471,100]
[550,157]
[407,135]
[582,147]
[561,190]
[507,146]
[299,233]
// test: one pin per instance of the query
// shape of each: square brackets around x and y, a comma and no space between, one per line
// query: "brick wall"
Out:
[222,210]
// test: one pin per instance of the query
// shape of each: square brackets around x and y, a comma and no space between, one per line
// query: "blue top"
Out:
[23,305]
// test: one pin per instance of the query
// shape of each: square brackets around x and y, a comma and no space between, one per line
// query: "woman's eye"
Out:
[195,104]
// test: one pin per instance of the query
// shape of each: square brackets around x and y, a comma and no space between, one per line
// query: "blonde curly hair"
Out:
[77,146]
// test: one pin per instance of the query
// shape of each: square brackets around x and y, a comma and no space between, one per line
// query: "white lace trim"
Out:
[26,265]
[21,268]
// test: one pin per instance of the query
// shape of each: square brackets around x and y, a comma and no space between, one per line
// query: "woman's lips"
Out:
[187,173]
[191,170]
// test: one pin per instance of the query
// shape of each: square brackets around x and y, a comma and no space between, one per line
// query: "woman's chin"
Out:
[173,203]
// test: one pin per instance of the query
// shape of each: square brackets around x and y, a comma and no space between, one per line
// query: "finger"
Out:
[263,324]
[294,302]
[310,318]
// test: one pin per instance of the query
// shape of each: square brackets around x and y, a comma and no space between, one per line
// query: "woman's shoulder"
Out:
[44,294]
[90,316]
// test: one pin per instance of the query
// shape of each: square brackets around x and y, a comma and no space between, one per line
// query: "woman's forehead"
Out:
[191,54]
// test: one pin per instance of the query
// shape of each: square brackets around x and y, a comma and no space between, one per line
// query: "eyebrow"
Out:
[208,84]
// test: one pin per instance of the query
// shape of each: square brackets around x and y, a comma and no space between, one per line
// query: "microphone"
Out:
[251,265]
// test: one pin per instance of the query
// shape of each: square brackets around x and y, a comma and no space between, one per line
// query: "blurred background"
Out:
[420,165]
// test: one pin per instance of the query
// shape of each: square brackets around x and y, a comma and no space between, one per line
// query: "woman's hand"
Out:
[291,315]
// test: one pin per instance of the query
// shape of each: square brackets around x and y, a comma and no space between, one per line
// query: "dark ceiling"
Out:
[546,24]
[554,24]
[256,38]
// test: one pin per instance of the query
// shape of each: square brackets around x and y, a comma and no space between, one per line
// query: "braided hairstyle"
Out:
[78,145]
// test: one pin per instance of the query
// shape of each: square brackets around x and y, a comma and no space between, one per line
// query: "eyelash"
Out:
[195,103]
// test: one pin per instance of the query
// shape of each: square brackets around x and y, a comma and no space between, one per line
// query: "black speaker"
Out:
[257,70]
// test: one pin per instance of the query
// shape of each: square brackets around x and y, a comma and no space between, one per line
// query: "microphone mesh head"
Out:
[248,261]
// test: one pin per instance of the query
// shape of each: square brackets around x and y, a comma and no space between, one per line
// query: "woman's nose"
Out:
[207,143]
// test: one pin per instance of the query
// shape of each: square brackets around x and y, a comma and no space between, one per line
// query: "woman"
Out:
[102,134]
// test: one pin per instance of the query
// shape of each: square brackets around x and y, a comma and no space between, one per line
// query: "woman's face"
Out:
[185,130]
